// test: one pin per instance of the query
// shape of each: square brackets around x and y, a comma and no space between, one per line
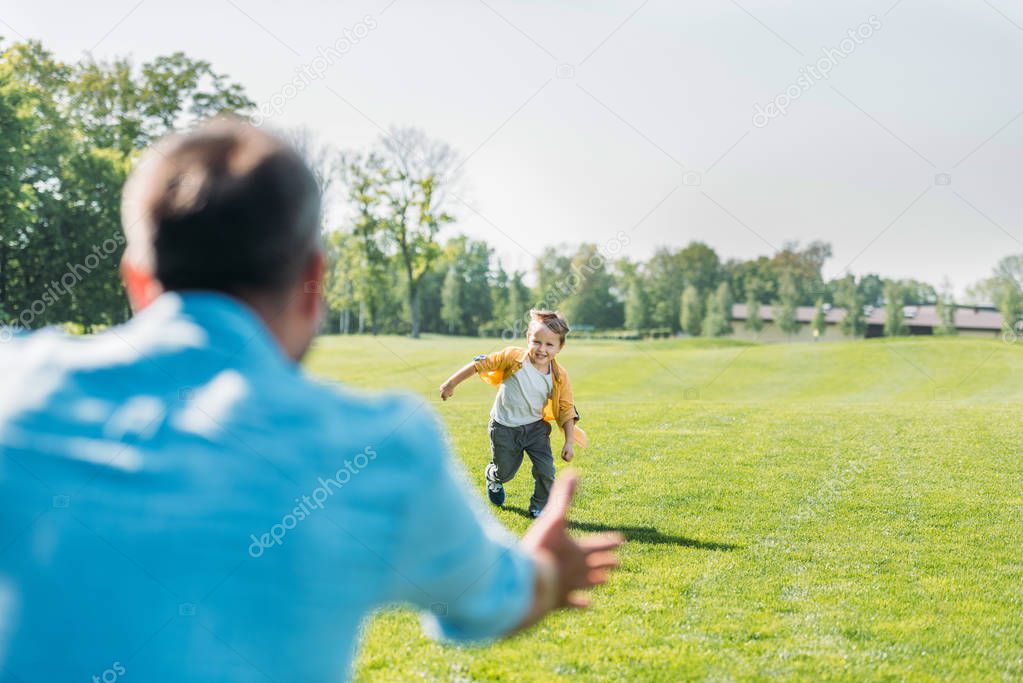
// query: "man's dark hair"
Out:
[226,207]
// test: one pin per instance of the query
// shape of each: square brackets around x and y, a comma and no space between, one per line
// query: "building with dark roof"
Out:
[980,321]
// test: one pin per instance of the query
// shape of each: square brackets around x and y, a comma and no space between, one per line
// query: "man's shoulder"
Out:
[336,396]
[25,356]
[402,420]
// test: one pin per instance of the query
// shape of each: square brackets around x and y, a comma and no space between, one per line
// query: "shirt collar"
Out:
[231,326]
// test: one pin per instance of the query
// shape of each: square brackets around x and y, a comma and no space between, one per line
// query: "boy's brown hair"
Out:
[552,320]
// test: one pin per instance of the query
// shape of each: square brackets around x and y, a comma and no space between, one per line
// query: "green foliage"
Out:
[468,263]
[803,268]
[755,277]
[510,298]
[451,300]
[398,192]
[945,311]
[717,321]
[894,301]
[849,297]
[788,302]
[68,136]
[754,323]
[590,283]
[918,293]
[637,306]
[668,273]
[871,290]
[1006,287]
[691,318]
[363,271]
[820,321]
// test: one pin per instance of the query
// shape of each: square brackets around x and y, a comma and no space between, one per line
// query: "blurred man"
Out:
[179,502]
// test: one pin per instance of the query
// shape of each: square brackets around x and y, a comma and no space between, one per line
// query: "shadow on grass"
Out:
[639,534]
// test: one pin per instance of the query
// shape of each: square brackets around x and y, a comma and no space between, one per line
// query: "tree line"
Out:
[70,133]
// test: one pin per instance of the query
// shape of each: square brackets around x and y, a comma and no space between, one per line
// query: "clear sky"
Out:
[580,120]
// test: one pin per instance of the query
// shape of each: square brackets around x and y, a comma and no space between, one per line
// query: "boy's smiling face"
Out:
[543,344]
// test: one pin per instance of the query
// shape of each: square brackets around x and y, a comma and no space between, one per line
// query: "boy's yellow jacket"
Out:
[494,368]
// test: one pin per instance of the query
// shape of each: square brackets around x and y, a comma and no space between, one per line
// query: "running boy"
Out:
[532,390]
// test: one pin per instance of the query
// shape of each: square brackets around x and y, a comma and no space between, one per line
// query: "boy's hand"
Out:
[568,452]
[446,391]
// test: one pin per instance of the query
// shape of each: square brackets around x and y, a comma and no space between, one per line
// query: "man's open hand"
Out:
[580,563]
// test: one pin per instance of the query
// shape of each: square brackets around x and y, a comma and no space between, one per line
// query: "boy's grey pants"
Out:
[508,443]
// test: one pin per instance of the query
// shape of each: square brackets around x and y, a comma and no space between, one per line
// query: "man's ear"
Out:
[312,287]
[139,284]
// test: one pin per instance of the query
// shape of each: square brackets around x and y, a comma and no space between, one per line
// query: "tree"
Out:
[120,107]
[69,135]
[1008,289]
[945,310]
[786,308]
[637,306]
[451,306]
[820,322]
[365,178]
[919,293]
[871,289]
[719,305]
[518,295]
[725,300]
[894,301]
[804,266]
[339,286]
[414,196]
[467,262]
[848,296]
[668,273]
[691,319]
[754,323]
[553,284]
[700,266]
[630,281]
[591,300]
[326,164]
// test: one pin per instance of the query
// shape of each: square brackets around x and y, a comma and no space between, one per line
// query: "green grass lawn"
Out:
[843,511]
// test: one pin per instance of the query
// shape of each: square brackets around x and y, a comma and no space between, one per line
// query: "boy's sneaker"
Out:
[535,512]
[495,489]
[495,492]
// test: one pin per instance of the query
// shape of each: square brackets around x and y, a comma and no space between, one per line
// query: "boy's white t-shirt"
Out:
[522,396]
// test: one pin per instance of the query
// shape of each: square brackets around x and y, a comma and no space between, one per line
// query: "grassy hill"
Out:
[878,370]
[831,511]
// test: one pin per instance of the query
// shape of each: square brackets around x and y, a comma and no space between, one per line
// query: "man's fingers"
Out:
[598,542]
[577,600]
[601,560]
[561,494]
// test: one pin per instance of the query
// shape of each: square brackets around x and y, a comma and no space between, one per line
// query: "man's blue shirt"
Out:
[177,499]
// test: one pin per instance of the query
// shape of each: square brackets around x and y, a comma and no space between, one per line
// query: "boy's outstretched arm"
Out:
[447,389]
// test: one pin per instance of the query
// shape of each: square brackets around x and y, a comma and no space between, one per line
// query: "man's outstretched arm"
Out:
[565,567]
[474,580]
